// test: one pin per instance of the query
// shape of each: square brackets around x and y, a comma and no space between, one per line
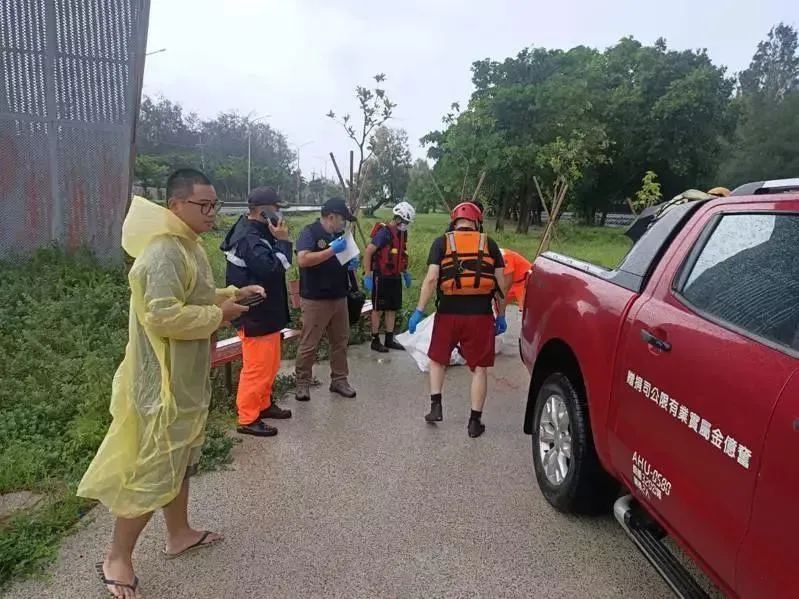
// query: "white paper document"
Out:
[351,251]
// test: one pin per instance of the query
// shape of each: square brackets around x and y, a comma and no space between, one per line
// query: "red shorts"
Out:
[473,332]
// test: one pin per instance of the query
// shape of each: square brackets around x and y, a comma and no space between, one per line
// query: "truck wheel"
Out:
[564,458]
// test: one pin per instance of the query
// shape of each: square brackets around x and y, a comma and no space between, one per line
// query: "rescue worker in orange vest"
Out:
[464,270]
[258,252]
[517,268]
[386,266]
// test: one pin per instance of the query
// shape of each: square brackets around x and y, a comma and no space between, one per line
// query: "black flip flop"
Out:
[201,544]
[107,582]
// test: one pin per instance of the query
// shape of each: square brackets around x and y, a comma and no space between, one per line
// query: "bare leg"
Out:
[179,535]
[391,320]
[479,388]
[437,372]
[376,322]
[118,564]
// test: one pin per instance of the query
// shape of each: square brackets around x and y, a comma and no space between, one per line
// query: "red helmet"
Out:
[468,211]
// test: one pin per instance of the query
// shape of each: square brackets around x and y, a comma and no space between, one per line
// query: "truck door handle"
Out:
[654,341]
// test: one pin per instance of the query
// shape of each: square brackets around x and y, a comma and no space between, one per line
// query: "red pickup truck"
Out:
[668,388]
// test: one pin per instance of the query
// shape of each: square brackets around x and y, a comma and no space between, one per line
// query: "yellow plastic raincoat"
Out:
[161,391]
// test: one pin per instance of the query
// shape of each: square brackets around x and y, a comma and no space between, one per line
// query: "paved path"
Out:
[361,498]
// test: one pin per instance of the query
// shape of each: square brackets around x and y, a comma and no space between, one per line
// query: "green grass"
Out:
[63,330]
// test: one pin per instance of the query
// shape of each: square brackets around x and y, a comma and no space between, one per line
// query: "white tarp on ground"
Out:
[418,343]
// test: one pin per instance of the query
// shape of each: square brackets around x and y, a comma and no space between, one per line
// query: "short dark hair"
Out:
[180,184]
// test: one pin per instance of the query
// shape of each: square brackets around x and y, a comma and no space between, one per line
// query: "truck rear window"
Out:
[746,274]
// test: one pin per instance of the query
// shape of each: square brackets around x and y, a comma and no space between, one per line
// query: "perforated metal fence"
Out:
[70,83]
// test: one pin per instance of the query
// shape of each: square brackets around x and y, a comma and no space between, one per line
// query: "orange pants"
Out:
[516,294]
[261,362]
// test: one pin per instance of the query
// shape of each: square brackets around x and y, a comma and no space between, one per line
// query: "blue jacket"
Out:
[255,257]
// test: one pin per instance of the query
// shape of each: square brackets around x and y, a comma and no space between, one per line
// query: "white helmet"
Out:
[405,211]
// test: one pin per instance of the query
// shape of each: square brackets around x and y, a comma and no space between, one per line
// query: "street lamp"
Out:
[249,146]
[155,52]
[298,166]
[324,161]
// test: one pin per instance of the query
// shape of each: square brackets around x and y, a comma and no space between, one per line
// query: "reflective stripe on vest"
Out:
[234,259]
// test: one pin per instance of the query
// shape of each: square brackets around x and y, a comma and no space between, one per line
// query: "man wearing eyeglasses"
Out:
[258,252]
[162,390]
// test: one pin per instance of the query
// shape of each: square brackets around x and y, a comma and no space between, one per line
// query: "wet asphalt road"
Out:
[361,498]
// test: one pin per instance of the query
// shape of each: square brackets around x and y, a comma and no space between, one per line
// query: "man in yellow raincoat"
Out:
[161,391]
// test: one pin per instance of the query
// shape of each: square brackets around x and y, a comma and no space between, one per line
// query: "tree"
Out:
[599,120]
[422,193]
[649,194]
[149,171]
[765,144]
[774,70]
[375,109]
[168,138]
[392,163]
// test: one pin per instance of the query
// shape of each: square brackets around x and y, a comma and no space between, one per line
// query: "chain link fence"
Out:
[70,84]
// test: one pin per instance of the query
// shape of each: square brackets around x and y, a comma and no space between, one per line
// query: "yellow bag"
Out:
[161,391]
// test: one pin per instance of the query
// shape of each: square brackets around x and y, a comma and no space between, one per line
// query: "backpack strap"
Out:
[481,246]
[455,260]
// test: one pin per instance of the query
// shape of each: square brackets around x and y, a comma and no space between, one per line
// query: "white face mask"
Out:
[402,226]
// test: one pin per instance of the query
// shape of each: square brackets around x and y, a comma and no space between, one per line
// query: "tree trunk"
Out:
[604,218]
[370,210]
[501,212]
[537,207]
[524,210]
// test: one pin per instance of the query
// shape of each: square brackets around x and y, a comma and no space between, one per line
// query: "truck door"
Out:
[701,365]
[767,561]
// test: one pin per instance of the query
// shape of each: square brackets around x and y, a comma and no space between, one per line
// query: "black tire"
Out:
[587,488]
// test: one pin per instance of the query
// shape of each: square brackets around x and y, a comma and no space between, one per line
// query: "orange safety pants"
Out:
[516,294]
[261,362]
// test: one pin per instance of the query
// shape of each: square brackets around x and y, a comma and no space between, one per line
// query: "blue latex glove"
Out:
[500,325]
[414,320]
[354,264]
[338,245]
[369,283]
[407,276]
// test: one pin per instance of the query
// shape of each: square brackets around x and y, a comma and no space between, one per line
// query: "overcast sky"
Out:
[297,59]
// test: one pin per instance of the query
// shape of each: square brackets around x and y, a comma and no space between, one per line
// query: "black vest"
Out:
[327,280]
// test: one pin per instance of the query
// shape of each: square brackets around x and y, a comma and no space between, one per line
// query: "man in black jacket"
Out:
[258,252]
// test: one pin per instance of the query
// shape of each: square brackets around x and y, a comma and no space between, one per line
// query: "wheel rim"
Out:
[555,440]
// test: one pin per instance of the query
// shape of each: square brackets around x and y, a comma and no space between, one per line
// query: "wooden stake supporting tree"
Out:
[556,204]
[444,200]
[546,205]
[479,185]
[450,204]
[352,193]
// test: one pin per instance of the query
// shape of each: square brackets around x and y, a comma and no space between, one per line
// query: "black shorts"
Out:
[387,294]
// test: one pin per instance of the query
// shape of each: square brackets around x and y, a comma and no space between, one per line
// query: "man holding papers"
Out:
[324,284]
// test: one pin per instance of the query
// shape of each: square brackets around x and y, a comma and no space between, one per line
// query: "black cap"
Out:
[264,196]
[338,206]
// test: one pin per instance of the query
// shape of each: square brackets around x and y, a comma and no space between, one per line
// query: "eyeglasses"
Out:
[207,207]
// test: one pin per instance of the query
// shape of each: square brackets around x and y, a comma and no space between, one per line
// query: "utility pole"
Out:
[250,123]
[298,167]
